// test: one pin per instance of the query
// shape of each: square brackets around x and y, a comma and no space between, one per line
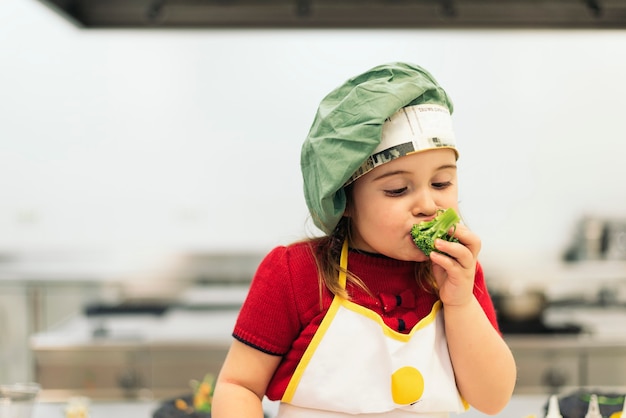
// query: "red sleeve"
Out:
[269,319]
[483,297]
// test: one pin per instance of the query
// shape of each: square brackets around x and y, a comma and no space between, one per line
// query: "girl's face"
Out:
[390,199]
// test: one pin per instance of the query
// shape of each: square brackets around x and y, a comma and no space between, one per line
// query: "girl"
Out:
[360,321]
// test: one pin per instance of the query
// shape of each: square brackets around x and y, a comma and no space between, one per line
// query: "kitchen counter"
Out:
[595,357]
[520,407]
[125,356]
[161,353]
[203,314]
[99,410]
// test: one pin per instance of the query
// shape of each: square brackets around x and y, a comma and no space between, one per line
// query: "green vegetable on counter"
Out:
[425,233]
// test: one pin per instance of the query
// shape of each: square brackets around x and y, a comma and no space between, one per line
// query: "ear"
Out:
[347,212]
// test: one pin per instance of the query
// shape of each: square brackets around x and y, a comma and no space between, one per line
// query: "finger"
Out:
[453,253]
[445,261]
[451,249]
[467,238]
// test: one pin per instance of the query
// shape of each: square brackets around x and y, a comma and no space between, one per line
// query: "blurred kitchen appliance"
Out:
[524,314]
[520,309]
[615,231]
[537,327]
[598,238]
[520,305]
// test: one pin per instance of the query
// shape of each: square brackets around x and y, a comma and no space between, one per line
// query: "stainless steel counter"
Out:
[120,356]
[99,410]
[595,357]
[519,407]
[133,355]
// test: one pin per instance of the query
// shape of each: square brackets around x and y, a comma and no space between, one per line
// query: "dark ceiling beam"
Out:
[558,14]
[594,7]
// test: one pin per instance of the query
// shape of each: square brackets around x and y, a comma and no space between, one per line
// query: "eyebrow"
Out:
[393,173]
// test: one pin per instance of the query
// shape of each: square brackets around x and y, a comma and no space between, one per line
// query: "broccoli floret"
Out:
[425,233]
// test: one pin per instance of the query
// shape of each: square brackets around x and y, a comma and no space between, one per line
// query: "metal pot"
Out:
[520,305]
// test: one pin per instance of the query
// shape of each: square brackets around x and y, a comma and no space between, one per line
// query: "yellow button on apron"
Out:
[407,385]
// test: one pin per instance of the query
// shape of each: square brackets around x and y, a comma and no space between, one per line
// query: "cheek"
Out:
[370,220]
[375,215]
[383,219]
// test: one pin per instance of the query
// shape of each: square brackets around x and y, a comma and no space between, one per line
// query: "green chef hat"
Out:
[389,111]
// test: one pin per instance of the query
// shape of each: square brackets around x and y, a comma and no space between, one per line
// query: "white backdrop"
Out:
[117,140]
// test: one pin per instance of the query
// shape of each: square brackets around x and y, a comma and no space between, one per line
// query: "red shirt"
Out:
[282,310]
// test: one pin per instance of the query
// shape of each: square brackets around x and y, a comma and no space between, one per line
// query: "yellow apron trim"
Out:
[391,333]
[321,331]
[424,322]
[466,404]
[329,317]
[308,354]
[343,263]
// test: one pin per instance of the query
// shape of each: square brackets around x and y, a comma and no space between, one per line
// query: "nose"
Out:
[424,204]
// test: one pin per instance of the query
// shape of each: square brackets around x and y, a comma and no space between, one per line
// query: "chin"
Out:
[419,256]
[415,256]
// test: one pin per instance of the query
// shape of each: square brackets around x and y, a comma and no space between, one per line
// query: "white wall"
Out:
[190,139]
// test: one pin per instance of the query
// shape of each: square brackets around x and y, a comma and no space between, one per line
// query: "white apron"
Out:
[356,364]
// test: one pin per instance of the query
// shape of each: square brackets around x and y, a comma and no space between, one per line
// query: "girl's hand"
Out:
[455,270]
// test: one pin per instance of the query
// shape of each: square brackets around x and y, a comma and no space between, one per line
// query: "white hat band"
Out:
[411,129]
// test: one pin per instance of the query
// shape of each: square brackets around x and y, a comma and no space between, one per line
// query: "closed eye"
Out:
[442,185]
[396,192]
